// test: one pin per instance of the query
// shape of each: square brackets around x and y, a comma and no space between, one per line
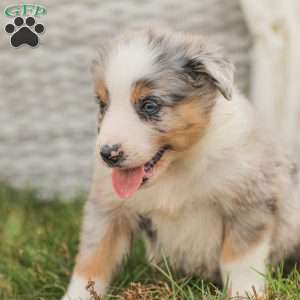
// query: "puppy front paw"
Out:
[249,292]
[80,289]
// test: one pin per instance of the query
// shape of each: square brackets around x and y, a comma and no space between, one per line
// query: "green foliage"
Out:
[38,245]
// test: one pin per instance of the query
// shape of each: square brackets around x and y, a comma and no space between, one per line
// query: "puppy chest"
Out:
[191,241]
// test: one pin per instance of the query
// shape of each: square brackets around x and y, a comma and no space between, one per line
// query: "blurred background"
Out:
[47,107]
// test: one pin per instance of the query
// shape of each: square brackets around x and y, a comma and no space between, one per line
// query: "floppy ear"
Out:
[98,63]
[95,69]
[217,68]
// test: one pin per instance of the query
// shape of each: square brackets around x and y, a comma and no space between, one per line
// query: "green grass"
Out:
[38,242]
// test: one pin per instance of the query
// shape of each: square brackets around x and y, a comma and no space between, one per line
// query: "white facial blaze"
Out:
[128,63]
[121,124]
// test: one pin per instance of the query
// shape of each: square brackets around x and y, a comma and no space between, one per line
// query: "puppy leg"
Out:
[105,241]
[243,260]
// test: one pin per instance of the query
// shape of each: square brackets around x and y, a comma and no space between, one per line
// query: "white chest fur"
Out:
[192,241]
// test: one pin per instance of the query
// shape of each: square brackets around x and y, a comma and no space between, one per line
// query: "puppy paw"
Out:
[246,294]
[80,289]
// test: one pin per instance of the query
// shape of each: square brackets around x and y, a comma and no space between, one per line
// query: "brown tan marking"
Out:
[232,250]
[102,91]
[140,90]
[108,255]
[189,124]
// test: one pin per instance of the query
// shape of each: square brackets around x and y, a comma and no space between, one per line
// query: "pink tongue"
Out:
[127,182]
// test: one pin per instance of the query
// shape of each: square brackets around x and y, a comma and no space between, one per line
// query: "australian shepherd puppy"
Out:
[183,159]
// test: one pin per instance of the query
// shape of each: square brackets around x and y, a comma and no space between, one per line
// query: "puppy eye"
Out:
[102,104]
[150,106]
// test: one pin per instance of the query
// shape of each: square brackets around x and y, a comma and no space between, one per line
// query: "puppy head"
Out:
[156,91]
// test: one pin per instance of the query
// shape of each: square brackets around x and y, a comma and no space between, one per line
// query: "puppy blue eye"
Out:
[150,107]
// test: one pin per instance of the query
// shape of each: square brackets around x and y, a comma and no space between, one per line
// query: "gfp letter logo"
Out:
[25,10]
[24,30]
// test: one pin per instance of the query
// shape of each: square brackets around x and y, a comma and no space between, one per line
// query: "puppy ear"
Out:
[95,69]
[98,63]
[213,66]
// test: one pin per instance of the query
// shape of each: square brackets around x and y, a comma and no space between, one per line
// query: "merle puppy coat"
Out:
[183,158]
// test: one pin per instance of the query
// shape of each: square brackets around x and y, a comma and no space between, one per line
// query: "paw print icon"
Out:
[24,32]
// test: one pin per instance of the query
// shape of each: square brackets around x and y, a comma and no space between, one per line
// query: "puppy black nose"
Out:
[112,154]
